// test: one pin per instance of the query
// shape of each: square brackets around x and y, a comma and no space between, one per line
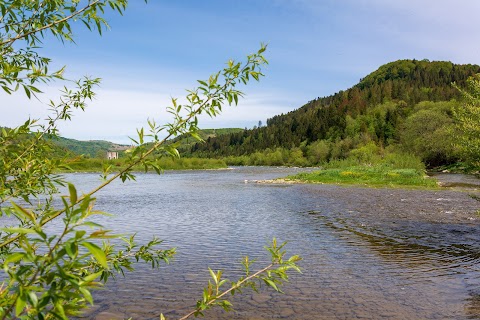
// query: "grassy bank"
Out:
[374,176]
[394,170]
[96,165]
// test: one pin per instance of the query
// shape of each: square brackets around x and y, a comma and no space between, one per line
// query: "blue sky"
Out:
[316,48]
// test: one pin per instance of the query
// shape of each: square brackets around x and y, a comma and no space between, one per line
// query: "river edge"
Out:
[444,204]
[452,181]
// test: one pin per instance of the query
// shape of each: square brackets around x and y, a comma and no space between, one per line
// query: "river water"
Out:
[368,253]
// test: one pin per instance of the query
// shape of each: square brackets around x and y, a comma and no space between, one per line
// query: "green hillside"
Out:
[92,148]
[54,149]
[405,105]
[98,148]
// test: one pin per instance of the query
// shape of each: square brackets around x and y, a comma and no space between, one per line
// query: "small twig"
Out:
[236,286]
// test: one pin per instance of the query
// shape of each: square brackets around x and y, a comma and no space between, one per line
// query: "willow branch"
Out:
[140,159]
[48,26]
[236,286]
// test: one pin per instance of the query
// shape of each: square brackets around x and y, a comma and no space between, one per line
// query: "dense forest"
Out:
[405,105]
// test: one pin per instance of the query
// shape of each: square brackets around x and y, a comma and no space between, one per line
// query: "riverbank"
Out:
[455,199]
[98,165]
[379,175]
[453,181]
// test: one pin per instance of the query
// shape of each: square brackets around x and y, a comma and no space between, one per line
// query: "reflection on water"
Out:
[423,252]
[362,259]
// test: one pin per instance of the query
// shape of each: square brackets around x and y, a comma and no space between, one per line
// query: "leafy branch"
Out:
[52,275]
[207,98]
[273,275]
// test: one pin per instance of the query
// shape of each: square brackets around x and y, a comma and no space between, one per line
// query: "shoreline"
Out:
[445,181]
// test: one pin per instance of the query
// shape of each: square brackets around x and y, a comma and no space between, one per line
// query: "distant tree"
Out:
[467,122]
[318,152]
[426,133]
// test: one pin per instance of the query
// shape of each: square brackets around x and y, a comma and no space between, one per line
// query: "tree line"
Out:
[384,108]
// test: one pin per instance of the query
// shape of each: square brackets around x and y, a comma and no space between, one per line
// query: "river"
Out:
[367,253]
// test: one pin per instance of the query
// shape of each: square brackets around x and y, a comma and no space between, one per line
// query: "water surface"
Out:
[368,253]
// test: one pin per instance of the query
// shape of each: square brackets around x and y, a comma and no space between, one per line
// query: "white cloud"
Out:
[115,115]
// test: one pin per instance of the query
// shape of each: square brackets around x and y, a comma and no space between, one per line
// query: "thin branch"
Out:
[29,21]
[48,26]
[236,286]
[131,165]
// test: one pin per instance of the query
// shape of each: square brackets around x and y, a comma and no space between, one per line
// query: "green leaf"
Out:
[79,234]
[87,295]
[33,298]
[97,252]
[92,276]
[196,136]
[92,224]
[271,284]
[23,212]
[72,249]
[73,193]
[27,92]
[60,310]
[213,275]
[21,303]
[226,305]
[18,230]
[14,257]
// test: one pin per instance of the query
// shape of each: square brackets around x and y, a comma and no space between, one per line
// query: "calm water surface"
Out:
[354,267]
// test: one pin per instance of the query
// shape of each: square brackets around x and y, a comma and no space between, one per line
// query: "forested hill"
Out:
[372,110]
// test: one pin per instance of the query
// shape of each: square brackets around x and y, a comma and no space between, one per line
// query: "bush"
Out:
[318,152]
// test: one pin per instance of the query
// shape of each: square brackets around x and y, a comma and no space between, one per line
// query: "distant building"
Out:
[112,155]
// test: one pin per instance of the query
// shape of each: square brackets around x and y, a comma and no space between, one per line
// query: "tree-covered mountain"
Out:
[377,110]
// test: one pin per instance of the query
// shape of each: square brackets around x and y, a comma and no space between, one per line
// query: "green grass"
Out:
[96,165]
[373,176]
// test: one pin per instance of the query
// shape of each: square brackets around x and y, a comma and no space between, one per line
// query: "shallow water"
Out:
[368,253]
[456,179]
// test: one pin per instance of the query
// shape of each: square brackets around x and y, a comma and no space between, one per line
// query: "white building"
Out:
[112,155]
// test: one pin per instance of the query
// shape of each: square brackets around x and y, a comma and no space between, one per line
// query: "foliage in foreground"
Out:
[273,275]
[54,255]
